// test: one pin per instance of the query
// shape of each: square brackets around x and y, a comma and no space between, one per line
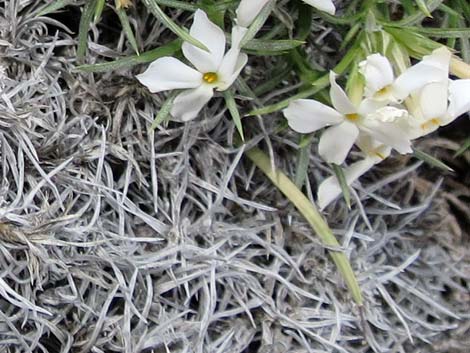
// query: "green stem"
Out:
[313,217]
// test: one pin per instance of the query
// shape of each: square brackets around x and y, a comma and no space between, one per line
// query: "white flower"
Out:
[441,102]
[381,84]
[346,121]
[248,9]
[214,70]
[374,153]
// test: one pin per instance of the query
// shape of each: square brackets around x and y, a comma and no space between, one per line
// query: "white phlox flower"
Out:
[248,9]
[346,121]
[439,103]
[213,70]
[374,153]
[381,84]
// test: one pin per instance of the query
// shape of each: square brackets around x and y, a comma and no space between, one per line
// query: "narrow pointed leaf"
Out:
[164,112]
[465,147]
[270,47]
[303,160]
[53,6]
[312,216]
[99,10]
[423,8]
[232,107]
[432,161]
[153,7]
[343,184]
[126,26]
[85,22]
[149,56]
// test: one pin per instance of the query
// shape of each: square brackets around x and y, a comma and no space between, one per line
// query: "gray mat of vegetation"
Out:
[113,239]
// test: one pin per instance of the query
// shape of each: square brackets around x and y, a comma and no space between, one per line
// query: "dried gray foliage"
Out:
[113,239]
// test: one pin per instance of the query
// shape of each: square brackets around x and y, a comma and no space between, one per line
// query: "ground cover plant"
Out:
[234,176]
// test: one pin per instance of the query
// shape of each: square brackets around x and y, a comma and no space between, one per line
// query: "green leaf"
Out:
[126,26]
[419,16]
[319,84]
[450,11]
[465,147]
[304,22]
[416,44]
[164,112]
[441,32]
[232,107]
[423,8]
[99,10]
[303,66]
[312,216]
[343,184]
[272,47]
[153,7]
[85,22]
[303,160]
[149,56]
[432,161]
[275,77]
[219,5]
[350,35]
[182,5]
[53,6]
[214,14]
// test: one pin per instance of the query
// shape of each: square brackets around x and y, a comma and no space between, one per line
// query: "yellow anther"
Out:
[431,123]
[385,90]
[353,117]
[380,155]
[210,77]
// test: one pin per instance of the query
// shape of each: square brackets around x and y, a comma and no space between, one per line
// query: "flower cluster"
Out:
[395,108]
[393,112]
[213,69]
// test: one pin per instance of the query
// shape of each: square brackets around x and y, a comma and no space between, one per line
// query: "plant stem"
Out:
[313,217]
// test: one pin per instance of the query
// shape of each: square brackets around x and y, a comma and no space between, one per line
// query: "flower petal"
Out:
[330,189]
[188,103]
[307,115]
[389,133]
[339,98]
[433,99]
[169,73]
[248,10]
[459,96]
[433,68]
[370,105]
[238,33]
[212,36]
[336,142]
[230,69]
[439,58]
[233,61]
[377,72]
[323,5]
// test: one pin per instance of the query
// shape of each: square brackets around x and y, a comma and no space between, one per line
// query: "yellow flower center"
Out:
[384,91]
[431,123]
[210,77]
[353,117]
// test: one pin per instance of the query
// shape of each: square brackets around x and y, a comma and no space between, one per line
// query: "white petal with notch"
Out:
[169,73]
[212,36]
